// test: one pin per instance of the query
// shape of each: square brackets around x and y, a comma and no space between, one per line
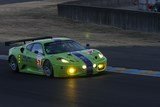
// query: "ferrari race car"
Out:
[55,57]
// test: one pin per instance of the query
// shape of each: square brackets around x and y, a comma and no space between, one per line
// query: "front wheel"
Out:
[48,69]
[13,64]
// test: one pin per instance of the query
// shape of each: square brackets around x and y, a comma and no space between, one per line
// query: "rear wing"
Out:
[8,43]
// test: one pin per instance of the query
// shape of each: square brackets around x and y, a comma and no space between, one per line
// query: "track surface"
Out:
[110,89]
[22,90]
[145,58]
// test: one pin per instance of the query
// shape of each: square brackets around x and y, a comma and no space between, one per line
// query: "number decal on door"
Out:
[39,61]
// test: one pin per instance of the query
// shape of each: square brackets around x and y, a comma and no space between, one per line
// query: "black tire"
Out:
[48,69]
[13,64]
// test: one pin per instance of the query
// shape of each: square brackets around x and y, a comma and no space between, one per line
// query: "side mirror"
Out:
[36,52]
[22,50]
[87,46]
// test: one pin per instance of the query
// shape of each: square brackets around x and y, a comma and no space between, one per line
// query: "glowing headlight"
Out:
[71,71]
[94,65]
[101,66]
[64,61]
[101,55]
[84,66]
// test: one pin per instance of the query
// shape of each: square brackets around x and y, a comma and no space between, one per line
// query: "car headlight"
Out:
[64,61]
[84,67]
[101,67]
[71,71]
[100,55]
[94,65]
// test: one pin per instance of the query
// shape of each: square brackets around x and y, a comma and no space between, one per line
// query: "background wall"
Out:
[125,19]
[102,3]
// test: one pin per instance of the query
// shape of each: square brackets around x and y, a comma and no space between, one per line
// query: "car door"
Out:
[35,55]
[27,56]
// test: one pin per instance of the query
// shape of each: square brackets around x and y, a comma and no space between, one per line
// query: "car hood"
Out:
[78,56]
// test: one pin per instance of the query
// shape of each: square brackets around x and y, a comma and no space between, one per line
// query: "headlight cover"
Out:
[71,71]
[84,67]
[100,55]
[64,60]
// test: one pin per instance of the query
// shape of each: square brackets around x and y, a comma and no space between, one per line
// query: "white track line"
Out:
[4,57]
[133,71]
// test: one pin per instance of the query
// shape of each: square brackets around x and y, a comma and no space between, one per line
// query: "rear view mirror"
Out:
[22,50]
[87,46]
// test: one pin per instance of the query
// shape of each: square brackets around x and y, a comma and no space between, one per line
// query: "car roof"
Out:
[43,41]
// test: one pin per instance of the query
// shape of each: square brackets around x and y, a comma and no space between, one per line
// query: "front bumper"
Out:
[77,70]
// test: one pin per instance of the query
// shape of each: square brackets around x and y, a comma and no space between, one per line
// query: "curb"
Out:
[4,57]
[133,71]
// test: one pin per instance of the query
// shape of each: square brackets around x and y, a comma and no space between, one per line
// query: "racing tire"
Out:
[48,69]
[13,64]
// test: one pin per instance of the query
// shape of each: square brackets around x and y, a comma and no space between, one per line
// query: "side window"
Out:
[29,47]
[37,47]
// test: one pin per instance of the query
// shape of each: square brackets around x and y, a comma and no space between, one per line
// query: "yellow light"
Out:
[71,71]
[19,59]
[94,65]
[100,66]
[84,66]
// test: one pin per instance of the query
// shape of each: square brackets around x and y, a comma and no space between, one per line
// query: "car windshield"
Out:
[62,46]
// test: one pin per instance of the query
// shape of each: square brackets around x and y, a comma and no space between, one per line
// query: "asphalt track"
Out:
[109,89]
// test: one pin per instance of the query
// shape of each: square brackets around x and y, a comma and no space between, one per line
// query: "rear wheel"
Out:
[13,64]
[48,69]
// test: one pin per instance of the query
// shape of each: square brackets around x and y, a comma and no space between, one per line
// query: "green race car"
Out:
[55,57]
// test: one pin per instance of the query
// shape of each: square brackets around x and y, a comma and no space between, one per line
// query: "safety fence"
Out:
[102,3]
[126,19]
